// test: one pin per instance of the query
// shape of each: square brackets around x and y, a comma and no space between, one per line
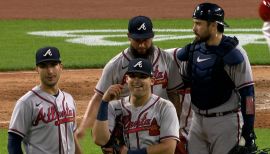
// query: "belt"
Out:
[218,114]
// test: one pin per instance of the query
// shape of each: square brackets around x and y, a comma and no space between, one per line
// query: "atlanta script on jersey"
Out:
[145,125]
[45,122]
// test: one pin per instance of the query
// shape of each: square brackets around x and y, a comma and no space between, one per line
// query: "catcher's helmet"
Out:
[210,12]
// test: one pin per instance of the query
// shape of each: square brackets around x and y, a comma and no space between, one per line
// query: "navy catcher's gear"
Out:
[207,67]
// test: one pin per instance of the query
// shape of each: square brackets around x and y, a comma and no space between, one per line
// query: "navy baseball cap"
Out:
[140,65]
[47,54]
[140,27]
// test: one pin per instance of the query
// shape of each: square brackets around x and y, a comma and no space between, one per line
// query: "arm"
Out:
[175,97]
[89,115]
[101,133]
[248,112]
[166,146]
[77,146]
[14,143]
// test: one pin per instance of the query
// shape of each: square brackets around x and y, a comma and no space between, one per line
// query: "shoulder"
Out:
[67,95]
[31,95]
[182,54]
[26,100]
[115,107]
[234,56]
[163,103]
[121,58]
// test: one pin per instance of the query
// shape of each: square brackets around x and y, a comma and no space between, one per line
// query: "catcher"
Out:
[149,122]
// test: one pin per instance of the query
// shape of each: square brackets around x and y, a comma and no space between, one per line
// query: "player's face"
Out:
[49,73]
[202,30]
[139,84]
[141,46]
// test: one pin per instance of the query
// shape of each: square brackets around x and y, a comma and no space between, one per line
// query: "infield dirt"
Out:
[80,83]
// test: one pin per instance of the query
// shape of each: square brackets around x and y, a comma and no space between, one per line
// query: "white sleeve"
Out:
[169,125]
[106,79]
[175,80]
[21,118]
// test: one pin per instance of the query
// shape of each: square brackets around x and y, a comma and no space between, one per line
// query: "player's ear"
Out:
[125,79]
[36,68]
[128,34]
[152,80]
[61,65]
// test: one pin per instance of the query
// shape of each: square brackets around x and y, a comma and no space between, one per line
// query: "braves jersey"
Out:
[185,100]
[45,122]
[145,125]
[164,73]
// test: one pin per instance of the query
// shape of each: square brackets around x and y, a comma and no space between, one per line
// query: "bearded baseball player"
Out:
[150,123]
[264,12]
[217,70]
[166,81]
[44,118]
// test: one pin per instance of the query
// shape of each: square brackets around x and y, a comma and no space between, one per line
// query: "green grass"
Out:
[18,48]
[88,147]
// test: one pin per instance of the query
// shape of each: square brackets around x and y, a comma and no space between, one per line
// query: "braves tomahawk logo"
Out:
[138,64]
[142,27]
[48,52]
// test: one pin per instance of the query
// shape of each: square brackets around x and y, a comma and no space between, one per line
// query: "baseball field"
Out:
[88,34]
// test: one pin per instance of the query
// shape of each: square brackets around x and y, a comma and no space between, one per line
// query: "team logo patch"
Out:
[142,27]
[202,59]
[48,52]
[250,106]
[154,128]
[139,64]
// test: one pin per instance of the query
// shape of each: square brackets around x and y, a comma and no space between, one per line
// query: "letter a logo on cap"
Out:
[138,64]
[48,52]
[142,27]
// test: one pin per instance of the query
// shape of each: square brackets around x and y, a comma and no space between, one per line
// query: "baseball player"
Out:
[150,123]
[44,118]
[264,12]
[217,70]
[140,35]
[185,103]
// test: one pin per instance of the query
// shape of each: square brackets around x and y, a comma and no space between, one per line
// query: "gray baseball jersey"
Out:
[163,71]
[205,131]
[45,122]
[185,100]
[146,125]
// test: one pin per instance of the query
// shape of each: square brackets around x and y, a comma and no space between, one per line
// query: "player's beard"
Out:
[202,38]
[148,52]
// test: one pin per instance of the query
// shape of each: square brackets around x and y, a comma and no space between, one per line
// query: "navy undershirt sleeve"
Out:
[14,143]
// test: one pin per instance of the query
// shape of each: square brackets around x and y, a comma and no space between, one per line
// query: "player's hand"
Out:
[107,150]
[113,92]
[80,132]
[123,150]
